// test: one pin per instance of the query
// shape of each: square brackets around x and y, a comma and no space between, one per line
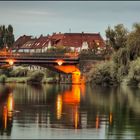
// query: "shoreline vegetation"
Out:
[24,75]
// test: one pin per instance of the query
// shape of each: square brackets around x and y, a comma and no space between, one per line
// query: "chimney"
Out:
[41,35]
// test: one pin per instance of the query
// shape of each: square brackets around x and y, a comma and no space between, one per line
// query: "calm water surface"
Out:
[54,111]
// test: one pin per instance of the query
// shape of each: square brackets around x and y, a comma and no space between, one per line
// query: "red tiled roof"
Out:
[76,39]
[61,39]
[41,42]
[28,44]
[56,39]
[21,40]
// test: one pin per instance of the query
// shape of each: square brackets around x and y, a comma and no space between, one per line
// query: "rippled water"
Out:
[64,111]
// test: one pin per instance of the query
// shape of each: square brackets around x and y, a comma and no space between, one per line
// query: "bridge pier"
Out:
[65,78]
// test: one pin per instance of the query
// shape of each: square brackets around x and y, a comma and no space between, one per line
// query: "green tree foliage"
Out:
[3,78]
[133,42]
[125,64]
[19,72]
[104,73]
[117,37]
[6,36]
[36,77]
[134,72]
[121,60]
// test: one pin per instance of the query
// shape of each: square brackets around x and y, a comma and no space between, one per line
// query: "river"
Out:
[69,112]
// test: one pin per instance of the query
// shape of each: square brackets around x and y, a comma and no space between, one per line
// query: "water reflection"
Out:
[108,112]
[68,107]
[6,110]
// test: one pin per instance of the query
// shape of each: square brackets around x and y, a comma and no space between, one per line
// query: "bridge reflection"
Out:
[67,107]
[64,109]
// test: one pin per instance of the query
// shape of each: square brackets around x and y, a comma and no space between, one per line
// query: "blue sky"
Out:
[35,17]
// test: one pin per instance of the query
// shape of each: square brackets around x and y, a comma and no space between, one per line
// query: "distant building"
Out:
[41,44]
[75,41]
[78,41]
[27,47]
[20,42]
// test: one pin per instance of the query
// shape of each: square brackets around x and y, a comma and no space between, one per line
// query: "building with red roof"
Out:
[74,41]
[41,44]
[78,41]
[21,41]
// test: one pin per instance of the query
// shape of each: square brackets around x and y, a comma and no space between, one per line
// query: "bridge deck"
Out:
[38,58]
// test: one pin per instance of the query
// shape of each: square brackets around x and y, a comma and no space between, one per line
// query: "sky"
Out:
[45,17]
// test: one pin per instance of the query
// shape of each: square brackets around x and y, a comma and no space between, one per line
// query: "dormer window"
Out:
[37,44]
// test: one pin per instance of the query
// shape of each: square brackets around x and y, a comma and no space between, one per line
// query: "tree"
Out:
[6,36]
[133,42]
[2,32]
[117,37]
[10,36]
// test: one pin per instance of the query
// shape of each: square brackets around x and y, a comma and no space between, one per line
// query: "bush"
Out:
[36,77]
[6,71]
[134,72]
[19,72]
[3,78]
[103,73]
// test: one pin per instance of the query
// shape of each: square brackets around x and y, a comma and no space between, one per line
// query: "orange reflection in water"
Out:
[7,110]
[97,121]
[10,102]
[69,103]
[72,96]
[76,117]
[110,118]
[59,106]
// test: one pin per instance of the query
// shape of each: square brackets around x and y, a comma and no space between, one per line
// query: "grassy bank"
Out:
[25,80]
[24,75]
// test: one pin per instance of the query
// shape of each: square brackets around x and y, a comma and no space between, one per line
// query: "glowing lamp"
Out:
[11,62]
[59,62]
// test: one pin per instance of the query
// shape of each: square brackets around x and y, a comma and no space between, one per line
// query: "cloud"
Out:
[34,12]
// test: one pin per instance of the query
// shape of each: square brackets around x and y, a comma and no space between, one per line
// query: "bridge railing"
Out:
[39,55]
[93,56]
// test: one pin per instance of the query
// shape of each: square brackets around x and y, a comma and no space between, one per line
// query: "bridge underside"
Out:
[70,72]
[67,73]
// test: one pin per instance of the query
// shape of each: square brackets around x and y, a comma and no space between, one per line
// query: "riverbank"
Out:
[25,80]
